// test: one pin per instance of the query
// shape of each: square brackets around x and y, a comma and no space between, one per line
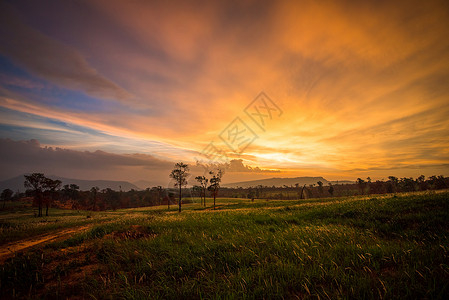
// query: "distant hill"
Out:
[278,182]
[16,183]
[143,184]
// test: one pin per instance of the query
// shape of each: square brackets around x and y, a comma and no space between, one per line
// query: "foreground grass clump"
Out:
[372,247]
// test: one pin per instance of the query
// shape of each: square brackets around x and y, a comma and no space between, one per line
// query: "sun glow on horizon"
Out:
[362,86]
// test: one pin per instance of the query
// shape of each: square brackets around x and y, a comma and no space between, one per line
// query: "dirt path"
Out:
[9,250]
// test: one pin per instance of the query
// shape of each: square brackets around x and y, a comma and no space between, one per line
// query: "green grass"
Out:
[356,247]
[20,222]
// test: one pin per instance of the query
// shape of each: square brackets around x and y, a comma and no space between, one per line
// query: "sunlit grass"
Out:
[393,246]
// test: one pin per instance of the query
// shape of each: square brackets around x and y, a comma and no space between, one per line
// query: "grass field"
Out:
[390,246]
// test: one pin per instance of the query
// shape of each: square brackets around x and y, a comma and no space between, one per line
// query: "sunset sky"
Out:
[123,89]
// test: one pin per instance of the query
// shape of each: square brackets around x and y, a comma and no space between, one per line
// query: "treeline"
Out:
[46,193]
[319,190]
[71,197]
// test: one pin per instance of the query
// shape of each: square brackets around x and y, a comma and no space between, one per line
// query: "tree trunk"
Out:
[46,211]
[302,192]
[214,199]
[40,205]
[180,191]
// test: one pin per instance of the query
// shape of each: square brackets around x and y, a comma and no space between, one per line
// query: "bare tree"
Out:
[179,174]
[215,182]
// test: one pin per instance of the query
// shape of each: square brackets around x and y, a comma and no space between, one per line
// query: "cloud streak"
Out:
[363,85]
[51,59]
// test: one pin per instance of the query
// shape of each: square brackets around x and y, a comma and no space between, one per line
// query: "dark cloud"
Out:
[17,157]
[237,166]
[51,59]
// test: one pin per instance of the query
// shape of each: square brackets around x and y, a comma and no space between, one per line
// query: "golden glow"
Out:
[363,86]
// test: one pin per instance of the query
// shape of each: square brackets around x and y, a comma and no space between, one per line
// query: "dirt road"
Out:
[10,249]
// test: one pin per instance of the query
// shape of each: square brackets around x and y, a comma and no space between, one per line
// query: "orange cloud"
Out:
[363,86]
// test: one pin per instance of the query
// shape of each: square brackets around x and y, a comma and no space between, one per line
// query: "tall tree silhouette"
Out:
[36,182]
[320,187]
[179,174]
[303,192]
[203,184]
[159,194]
[215,181]
[50,187]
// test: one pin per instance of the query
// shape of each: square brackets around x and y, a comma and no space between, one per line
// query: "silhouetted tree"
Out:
[154,195]
[112,198]
[298,191]
[361,183]
[378,187]
[437,182]
[259,189]
[407,184]
[368,183]
[71,191]
[392,184]
[202,180]
[251,195]
[179,174]
[93,194]
[303,192]
[159,194]
[215,182]
[6,196]
[50,187]
[320,187]
[36,182]
[331,190]
[197,191]
[421,180]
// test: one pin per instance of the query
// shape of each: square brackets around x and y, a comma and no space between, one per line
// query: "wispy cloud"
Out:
[363,85]
[51,59]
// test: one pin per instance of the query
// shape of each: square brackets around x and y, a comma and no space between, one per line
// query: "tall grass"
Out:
[371,247]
